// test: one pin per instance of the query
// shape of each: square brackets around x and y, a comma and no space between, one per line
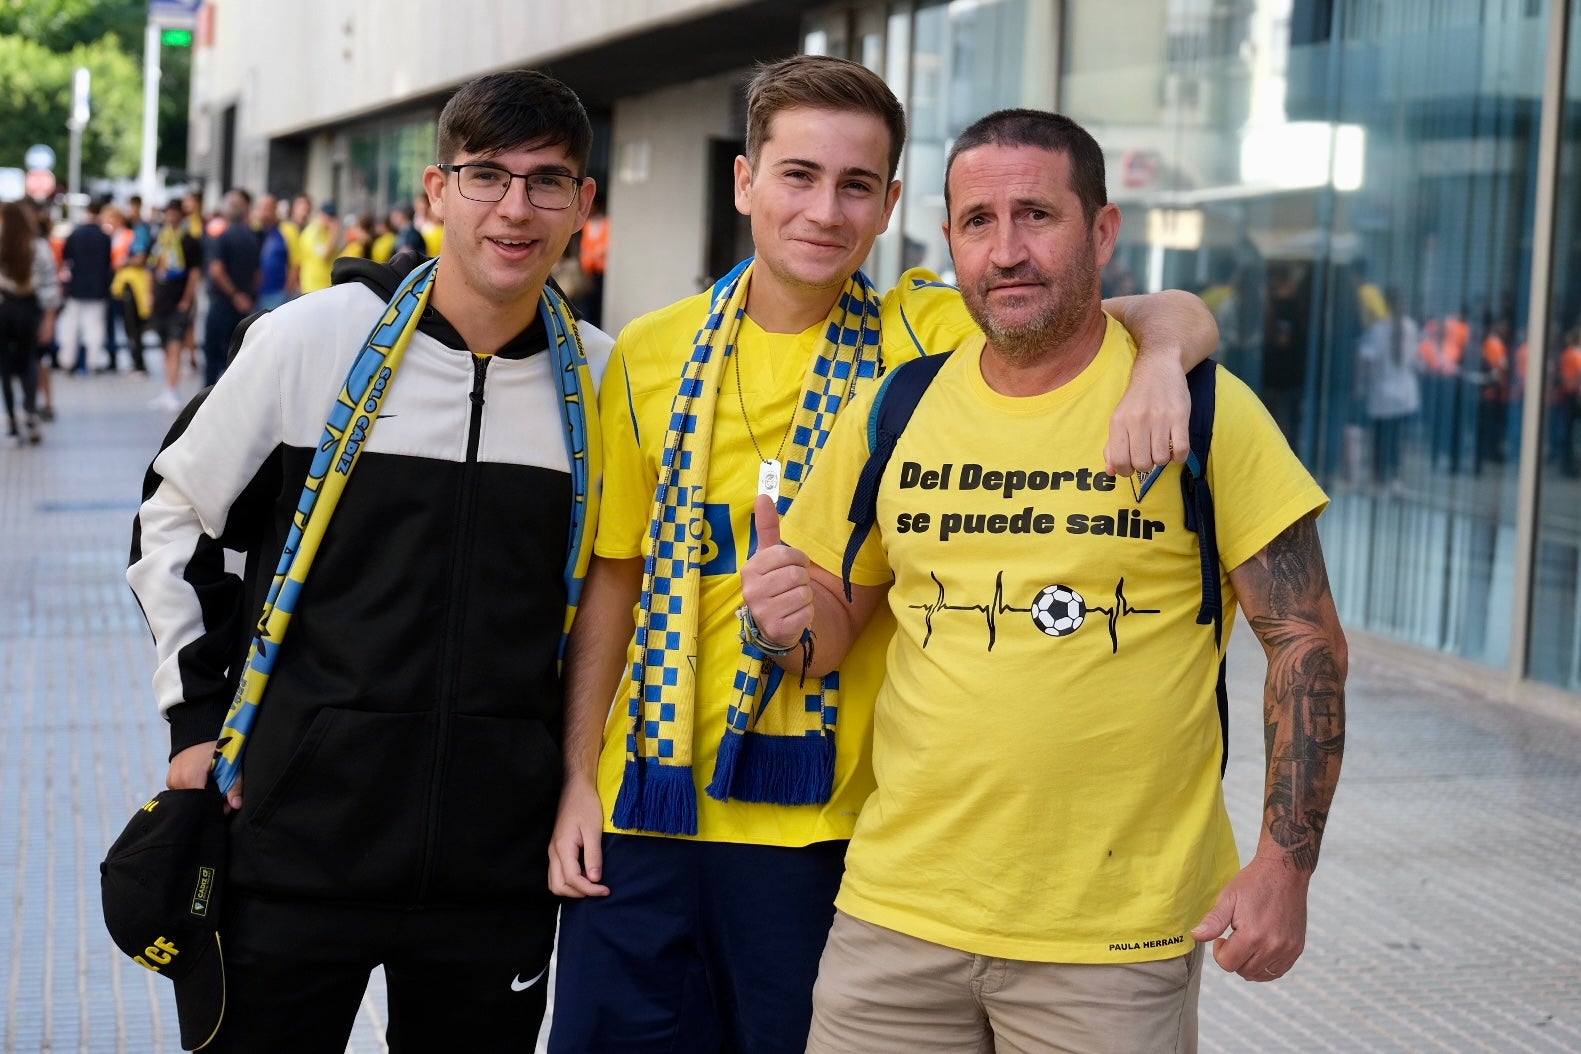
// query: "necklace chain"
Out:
[741,399]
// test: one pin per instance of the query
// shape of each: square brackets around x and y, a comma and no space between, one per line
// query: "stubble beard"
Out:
[1056,322]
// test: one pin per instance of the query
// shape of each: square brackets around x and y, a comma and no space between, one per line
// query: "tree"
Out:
[43,41]
[60,25]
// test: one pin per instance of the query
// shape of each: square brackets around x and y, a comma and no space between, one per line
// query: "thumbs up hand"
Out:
[775,582]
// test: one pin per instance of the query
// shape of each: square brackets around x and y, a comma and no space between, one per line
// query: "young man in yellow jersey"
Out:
[707,837]
[1048,841]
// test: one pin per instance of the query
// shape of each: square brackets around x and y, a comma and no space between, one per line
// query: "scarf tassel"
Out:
[656,798]
[774,770]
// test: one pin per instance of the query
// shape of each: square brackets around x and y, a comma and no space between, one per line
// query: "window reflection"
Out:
[968,58]
[1554,653]
[1350,185]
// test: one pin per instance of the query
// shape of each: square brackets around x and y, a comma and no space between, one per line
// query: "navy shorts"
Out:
[700,947]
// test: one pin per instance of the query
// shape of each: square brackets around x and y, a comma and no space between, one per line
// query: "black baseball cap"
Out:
[161,883]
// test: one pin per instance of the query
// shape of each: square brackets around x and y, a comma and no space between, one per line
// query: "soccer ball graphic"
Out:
[1059,611]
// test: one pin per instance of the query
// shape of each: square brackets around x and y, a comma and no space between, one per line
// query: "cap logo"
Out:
[160,952]
[150,805]
[200,896]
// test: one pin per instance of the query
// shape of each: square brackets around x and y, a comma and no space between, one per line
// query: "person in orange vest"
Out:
[1567,391]
[594,256]
[1493,408]
[1438,359]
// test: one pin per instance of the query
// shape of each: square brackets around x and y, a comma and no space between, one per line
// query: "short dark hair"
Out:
[818,82]
[503,111]
[1046,131]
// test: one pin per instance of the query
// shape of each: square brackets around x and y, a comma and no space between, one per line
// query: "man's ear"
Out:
[586,194]
[434,187]
[891,197]
[743,175]
[1106,232]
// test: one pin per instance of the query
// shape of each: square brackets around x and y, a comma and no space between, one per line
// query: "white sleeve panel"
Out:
[202,473]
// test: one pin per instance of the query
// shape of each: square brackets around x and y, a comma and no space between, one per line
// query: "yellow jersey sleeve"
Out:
[923,315]
[627,502]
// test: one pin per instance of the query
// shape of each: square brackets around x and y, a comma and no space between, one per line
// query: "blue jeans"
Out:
[222,321]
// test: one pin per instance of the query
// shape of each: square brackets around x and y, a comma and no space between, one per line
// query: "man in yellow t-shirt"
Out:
[319,244]
[291,230]
[664,912]
[1048,841]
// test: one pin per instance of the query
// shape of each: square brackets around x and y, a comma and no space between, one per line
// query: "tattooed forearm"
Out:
[1285,592]
[1294,562]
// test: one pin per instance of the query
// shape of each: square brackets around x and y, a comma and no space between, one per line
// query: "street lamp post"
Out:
[147,176]
[80,84]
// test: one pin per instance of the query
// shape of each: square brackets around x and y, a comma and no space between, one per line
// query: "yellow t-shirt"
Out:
[1046,742]
[1374,307]
[634,408]
[1215,295]
[383,247]
[434,238]
[293,241]
[318,255]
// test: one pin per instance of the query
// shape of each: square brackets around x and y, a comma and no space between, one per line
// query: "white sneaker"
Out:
[166,400]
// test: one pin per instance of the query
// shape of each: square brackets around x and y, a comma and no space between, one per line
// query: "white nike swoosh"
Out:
[518,985]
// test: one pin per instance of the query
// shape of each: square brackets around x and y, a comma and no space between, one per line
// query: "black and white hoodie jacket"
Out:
[407,751]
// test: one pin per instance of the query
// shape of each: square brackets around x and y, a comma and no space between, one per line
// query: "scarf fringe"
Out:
[656,798]
[774,770]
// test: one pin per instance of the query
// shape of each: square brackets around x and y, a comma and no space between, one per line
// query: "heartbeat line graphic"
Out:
[996,606]
[1122,607]
[990,611]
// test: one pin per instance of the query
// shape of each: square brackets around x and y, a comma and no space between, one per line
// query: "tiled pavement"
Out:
[1446,914]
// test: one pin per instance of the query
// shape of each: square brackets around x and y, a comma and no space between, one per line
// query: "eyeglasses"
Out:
[545,190]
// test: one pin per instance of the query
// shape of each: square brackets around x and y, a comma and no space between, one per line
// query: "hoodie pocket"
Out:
[497,810]
[347,816]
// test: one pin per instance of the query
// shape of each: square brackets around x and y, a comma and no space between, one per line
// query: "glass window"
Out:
[1554,654]
[968,58]
[386,163]
[1350,184]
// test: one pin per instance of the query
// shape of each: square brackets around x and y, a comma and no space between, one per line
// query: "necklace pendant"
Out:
[769,479]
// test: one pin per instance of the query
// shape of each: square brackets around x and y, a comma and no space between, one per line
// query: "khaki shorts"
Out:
[882,992]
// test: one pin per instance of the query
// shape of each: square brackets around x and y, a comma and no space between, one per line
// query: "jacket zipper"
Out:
[453,604]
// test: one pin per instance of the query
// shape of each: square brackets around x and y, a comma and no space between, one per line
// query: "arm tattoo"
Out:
[1304,696]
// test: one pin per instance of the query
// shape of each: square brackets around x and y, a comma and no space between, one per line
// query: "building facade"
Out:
[1371,194]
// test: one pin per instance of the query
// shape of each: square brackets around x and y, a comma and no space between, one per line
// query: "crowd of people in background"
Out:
[1449,385]
[83,298]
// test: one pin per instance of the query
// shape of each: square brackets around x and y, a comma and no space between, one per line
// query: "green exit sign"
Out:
[176,38]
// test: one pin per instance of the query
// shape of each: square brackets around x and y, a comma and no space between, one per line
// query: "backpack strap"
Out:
[1201,381]
[898,395]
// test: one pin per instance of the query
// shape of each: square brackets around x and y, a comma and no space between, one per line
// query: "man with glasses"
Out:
[1040,861]
[392,791]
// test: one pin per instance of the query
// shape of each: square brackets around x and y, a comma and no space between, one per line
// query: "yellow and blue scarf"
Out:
[778,744]
[346,432]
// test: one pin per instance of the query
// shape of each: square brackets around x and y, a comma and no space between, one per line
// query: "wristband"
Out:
[752,633]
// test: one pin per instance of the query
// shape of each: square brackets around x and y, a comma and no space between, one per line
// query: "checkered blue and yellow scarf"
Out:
[351,420]
[778,743]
